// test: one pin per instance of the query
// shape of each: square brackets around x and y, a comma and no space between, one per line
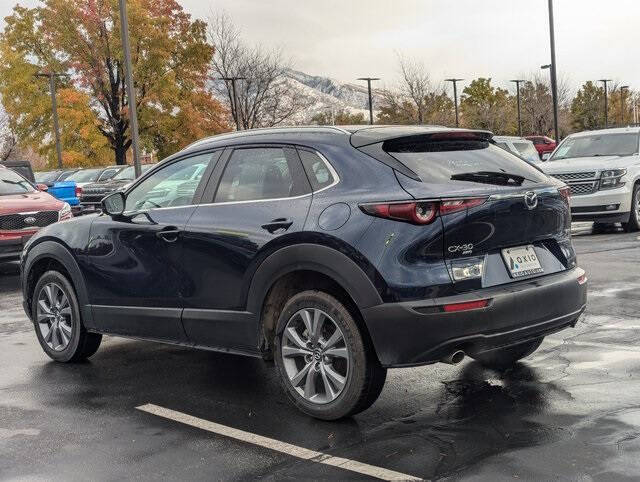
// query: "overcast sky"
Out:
[502,39]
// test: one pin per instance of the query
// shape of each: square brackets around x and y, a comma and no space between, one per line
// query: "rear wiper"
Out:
[490,177]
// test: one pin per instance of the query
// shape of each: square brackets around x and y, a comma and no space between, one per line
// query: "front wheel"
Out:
[56,316]
[504,358]
[634,216]
[325,364]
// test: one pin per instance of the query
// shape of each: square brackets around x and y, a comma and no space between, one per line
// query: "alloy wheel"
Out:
[315,355]
[54,316]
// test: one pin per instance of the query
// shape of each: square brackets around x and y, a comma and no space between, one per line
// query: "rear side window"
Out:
[259,173]
[443,161]
[317,170]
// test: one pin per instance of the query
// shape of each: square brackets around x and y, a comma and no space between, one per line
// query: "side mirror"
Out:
[42,187]
[113,204]
[546,156]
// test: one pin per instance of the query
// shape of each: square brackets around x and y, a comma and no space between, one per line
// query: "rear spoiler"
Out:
[374,143]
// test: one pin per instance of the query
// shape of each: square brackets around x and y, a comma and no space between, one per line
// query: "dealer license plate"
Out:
[522,261]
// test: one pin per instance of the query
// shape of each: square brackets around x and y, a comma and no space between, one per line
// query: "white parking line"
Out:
[277,445]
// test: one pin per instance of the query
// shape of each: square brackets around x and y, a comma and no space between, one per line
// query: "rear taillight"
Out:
[420,212]
[565,192]
[78,191]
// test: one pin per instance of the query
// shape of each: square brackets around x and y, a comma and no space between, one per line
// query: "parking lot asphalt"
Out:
[570,411]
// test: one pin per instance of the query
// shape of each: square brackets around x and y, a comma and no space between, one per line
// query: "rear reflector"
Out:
[465,306]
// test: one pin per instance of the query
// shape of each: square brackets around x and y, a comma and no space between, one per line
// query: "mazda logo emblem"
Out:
[30,220]
[530,200]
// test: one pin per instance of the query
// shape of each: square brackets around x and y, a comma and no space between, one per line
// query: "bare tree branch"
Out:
[265,96]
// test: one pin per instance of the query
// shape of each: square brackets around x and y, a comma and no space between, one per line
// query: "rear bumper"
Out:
[10,249]
[418,333]
[601,218]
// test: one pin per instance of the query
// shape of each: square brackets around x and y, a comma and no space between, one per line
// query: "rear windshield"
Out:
[13,183]
[441,162]
[526,150]
[597,145]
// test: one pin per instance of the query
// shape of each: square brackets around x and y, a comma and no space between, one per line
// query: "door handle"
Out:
[276,224]
[169,234]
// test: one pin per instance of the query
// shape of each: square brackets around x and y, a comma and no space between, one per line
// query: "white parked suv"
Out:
[602,168]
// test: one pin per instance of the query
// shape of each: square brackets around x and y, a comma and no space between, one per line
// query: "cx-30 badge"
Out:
[530,199]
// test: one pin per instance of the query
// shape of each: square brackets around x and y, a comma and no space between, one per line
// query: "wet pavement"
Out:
[569,411]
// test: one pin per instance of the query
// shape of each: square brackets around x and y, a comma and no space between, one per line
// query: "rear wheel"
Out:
[326,366]
[504,358]
[634,216]
[56,316]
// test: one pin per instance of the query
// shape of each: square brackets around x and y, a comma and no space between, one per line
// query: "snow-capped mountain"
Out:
[349,94]
[327,95]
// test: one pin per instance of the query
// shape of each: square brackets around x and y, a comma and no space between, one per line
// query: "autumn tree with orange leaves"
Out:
[171,58]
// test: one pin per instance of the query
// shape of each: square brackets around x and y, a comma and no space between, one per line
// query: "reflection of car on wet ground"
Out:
[23,211]
[602,168]
[93,193]
[338,252]
[519,146]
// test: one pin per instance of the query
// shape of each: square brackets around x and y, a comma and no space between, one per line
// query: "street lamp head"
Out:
[546,66]
[517,80]
[624,87]
[605,80]
[453,80]
[368,78]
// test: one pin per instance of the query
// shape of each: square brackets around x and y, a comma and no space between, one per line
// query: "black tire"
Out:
[81,344]
[634,216]
[365,376]
[504,358]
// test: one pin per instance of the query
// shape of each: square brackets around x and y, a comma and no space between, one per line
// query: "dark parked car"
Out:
[338,252]
[50,177]
[92,194]
[21,167]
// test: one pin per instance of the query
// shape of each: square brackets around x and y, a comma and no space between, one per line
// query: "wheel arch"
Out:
[307,266]
[53,255]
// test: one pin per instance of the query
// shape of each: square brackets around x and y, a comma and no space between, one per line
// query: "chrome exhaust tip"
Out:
[454,357]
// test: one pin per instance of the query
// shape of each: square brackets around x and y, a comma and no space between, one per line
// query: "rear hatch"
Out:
[517,211]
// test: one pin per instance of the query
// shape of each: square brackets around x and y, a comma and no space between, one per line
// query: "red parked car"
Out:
[24,209]
[543,144]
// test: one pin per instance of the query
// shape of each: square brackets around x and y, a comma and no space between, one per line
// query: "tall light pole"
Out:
[455,96]
[622,89]
[131,91]
[54,109]
[555,119]
[369,79]
[234,97]
[517,82]
[606,101]
[554,79]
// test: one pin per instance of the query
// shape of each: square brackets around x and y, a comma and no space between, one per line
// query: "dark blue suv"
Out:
[336,252]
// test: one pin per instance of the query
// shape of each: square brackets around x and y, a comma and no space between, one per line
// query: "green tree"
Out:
[338,118]
[587,107]
[171,58]
[484,106]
